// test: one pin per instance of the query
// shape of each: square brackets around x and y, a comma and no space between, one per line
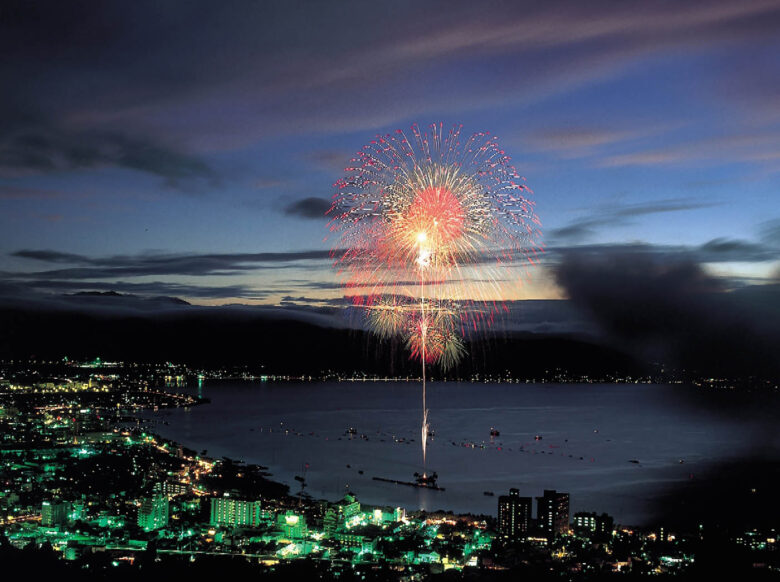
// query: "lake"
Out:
[614,447]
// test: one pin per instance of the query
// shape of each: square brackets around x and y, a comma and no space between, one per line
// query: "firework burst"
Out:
[424,227]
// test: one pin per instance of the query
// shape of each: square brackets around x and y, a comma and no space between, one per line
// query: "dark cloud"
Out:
[714,251]
[666,308]
[44,149]
[311,207]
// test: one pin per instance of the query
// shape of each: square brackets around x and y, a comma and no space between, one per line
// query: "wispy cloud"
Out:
[25,193]
[161,264]
[614,215]
[569,142]
[758,147]
[751,81]
[550,50]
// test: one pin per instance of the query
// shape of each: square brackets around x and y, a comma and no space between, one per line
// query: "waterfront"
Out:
[614,447]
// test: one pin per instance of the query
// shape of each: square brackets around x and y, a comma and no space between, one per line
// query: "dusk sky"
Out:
[189,149]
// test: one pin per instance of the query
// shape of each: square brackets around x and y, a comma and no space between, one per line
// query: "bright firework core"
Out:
[436,215]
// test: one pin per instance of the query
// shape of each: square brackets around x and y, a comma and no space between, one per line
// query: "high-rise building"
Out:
[230,512]
[54,512]
[153,513]
[553,513]
[584,522]
[514,515]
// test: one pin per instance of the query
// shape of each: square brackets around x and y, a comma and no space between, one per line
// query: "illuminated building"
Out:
[385,515]
[605,524]
[292,525]
[584,522]
[330,522]
[553,513]
[153,513]
[352,540]
[54,512]
[514,515]
[348,507]
[79,511]
[171,489]
[235,512]
[592,523]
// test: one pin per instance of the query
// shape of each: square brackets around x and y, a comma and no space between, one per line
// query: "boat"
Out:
[488,493]
[538,437]
[494,432]
[351,430]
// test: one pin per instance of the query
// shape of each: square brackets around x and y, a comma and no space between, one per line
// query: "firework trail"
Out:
[426,228]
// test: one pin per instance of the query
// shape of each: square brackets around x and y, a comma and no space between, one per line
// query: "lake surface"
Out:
[614,448]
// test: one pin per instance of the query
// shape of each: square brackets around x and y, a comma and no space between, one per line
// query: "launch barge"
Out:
[421,481]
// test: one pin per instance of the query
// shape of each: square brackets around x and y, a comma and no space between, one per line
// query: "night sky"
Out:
[188,149]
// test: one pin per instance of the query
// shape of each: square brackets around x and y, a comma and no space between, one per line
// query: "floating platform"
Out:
[410,483]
